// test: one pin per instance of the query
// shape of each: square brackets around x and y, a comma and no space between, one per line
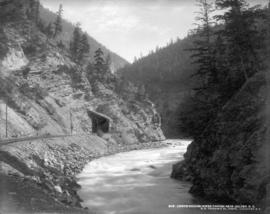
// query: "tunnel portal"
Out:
[100,122]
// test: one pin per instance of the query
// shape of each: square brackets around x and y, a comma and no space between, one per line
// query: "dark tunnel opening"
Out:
[100,123]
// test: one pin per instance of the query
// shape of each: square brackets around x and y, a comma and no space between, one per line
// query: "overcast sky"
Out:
[131,27]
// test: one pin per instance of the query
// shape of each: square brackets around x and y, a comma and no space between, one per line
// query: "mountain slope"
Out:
[42,86]
[47,16]
[230,160]
[166,76]
[65,116]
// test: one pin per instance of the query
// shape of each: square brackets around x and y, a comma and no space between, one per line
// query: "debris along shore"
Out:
[46,182]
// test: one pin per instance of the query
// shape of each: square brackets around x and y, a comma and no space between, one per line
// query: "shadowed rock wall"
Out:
[230,160]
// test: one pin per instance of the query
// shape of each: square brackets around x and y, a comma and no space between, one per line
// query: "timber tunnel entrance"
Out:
[100,122]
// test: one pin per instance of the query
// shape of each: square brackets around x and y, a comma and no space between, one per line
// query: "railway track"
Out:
[15,140]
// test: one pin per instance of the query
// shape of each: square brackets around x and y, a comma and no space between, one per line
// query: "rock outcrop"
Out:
[46,92]
[49,97]
[230,160]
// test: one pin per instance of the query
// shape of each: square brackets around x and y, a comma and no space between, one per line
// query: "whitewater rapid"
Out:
[135,182]
[138,182]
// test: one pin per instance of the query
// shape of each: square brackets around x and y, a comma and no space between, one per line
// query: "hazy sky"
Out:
[131,27]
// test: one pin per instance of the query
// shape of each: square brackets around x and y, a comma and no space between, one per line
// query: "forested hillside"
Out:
[60,111]
[214,87]
[227,115]
[166,76]
[169,76]
[49,17]
[66,35]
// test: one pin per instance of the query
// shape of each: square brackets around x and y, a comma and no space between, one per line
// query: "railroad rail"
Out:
[15,140]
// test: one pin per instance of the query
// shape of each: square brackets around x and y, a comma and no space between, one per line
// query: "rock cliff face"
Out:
[168,97]
[231,158]
[46,92]
[167,77]
[48,96]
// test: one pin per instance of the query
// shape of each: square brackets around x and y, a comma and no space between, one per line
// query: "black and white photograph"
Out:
[134,106]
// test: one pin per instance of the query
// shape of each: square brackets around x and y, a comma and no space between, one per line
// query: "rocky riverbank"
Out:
[45,92]
[40,176]
[230,160]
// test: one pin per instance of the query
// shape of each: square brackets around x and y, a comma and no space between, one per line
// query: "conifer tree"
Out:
[203,48]
[84,47]
[242,40]
[33,11]
[33,17]
[75,43]
[225,59]
[58,28]
[108,62]
[99,60]
[99,63]
[79,45]
[49,30]
[203,105]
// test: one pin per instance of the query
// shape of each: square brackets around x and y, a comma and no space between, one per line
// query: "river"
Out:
[138,182]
